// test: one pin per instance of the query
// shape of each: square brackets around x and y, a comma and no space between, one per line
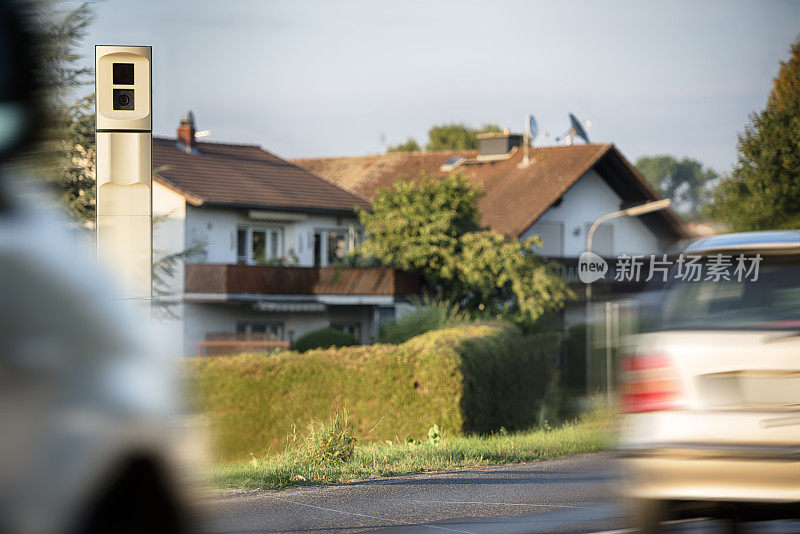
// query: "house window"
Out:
[386,316]
[317,250]
[258,251]
[271,330]
[241,245]
[258,246]
[337,247]
[552,235]
[330,246]
[354,329]
[274,244]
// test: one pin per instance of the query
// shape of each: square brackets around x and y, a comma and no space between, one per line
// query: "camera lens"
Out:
[123,99]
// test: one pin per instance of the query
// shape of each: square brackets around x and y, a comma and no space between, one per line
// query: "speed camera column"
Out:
[124,167]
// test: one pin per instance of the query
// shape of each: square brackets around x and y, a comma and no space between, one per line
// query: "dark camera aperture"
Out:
[123,73]
[123,99]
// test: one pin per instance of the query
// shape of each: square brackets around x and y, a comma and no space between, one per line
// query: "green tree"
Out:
[409,146]
[65,156]
[684,181]
[763,190]
[417,227]
[489,128]
[432,227]
[456,136]
[75,169]
[60,36]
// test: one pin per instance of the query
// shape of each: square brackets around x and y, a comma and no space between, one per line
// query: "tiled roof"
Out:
[246,176]
[514,196]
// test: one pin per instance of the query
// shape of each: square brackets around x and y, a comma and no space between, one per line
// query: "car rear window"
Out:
[772,302]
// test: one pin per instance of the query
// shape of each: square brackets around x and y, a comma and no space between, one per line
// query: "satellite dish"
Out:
[531,131]
[531,128]
[577,128]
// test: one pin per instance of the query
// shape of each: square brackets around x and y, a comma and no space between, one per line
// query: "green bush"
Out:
[428,314]
[508,380]
[324,338]
[467,379]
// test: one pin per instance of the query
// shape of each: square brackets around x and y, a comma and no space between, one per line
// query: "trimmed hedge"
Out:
[475,378]
[324,338]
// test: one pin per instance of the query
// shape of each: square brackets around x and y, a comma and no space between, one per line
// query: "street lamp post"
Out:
[642,209]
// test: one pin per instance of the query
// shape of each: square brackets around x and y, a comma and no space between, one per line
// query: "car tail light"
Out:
[650,383]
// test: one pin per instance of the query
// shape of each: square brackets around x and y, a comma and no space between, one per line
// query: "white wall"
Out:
[169,237]
[217,228]
[589,198]
[169,232]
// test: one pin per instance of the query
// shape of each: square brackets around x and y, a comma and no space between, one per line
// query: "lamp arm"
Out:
[597,223]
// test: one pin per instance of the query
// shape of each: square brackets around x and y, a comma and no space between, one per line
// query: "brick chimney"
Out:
[186,132]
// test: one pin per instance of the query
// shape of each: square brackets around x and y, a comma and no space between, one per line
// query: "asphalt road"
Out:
[571,495]
[567,495]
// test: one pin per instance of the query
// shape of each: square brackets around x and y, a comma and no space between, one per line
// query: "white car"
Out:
[712,394]
[87,405]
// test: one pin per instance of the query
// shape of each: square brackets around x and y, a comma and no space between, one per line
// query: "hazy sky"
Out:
[329,78]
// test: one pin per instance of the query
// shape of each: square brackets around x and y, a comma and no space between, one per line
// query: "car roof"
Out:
[752,241]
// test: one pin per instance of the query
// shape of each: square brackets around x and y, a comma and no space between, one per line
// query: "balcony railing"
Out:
[213,278]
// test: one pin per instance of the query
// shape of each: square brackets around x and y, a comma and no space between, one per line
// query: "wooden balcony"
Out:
[221,279]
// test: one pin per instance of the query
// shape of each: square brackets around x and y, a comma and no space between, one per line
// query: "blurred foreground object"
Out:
[713,395]
[87,404]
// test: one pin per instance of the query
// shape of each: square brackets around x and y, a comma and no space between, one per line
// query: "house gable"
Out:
[563,226]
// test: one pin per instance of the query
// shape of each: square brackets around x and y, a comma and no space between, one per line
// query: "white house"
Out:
[268,236]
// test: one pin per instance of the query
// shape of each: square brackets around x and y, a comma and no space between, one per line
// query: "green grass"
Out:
[592,433]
